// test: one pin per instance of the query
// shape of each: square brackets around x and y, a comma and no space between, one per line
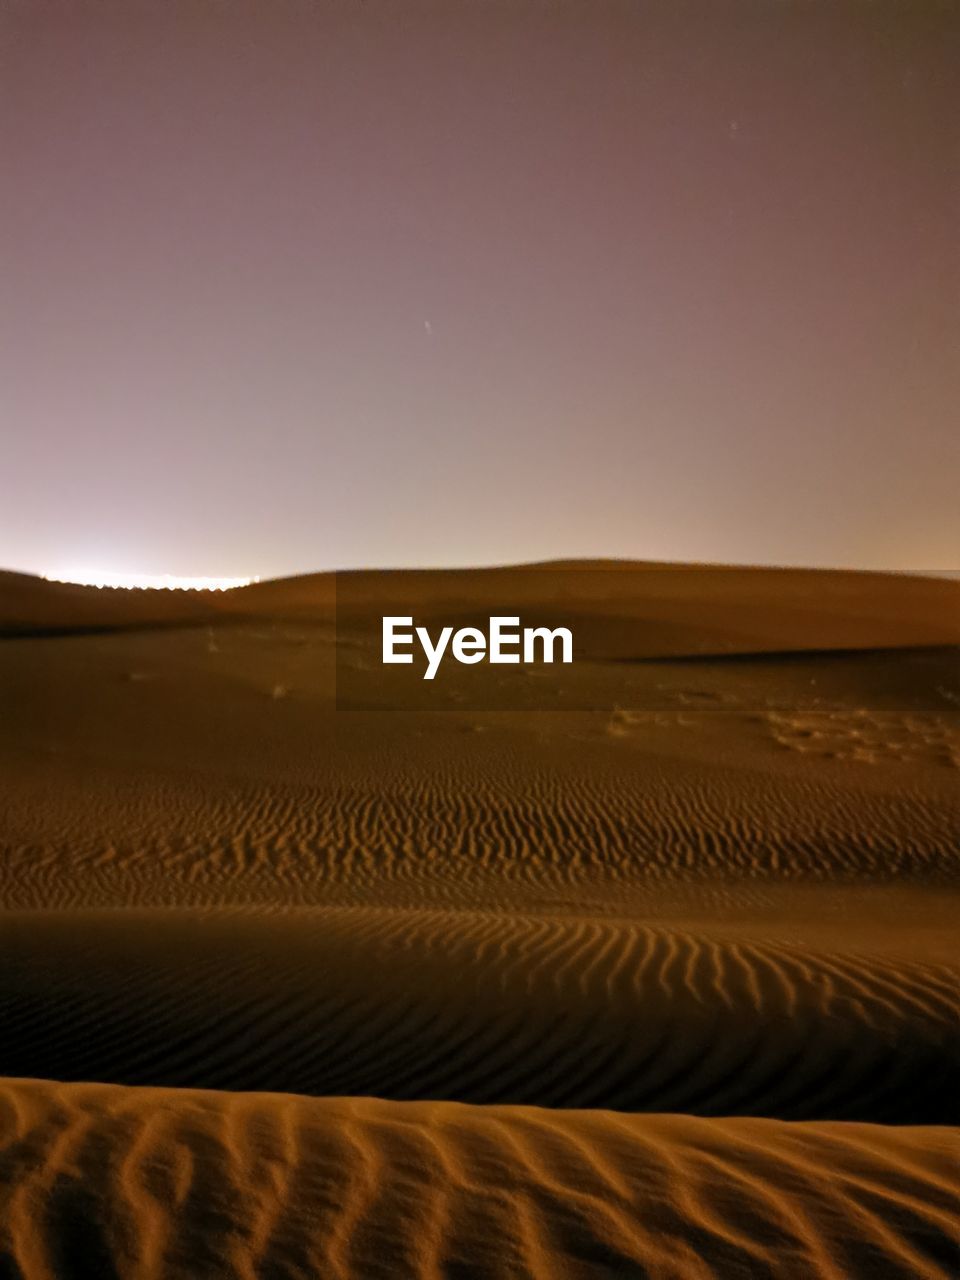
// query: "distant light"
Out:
[148,581]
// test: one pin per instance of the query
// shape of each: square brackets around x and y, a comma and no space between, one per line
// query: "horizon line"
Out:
[118,580]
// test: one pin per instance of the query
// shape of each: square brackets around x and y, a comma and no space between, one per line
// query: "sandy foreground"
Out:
[641,967]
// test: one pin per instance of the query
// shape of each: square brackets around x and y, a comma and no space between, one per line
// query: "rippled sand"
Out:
[641,967]
[111,1181]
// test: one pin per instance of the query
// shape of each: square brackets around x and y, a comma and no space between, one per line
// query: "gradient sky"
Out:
[291,286]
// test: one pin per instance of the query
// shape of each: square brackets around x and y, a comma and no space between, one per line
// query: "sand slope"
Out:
[107,1182]
[561,1010]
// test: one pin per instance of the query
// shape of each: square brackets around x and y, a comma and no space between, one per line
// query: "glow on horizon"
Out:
[147,581]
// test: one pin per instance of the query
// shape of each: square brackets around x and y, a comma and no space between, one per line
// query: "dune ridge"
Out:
[108,1182]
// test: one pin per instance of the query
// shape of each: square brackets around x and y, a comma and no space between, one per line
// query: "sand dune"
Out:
[551,1009]
[111,1182]
[701,883]
[619,608]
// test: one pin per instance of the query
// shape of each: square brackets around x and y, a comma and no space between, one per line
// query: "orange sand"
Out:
[660,981]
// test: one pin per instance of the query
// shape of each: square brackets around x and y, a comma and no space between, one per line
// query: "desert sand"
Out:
[640,967]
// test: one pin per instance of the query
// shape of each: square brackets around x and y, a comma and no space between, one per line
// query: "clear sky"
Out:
[291,286]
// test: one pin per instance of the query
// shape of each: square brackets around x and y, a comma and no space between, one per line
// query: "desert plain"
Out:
[642,966]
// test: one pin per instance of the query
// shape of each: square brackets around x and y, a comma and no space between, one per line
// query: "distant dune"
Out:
[621,608]
[644,966]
